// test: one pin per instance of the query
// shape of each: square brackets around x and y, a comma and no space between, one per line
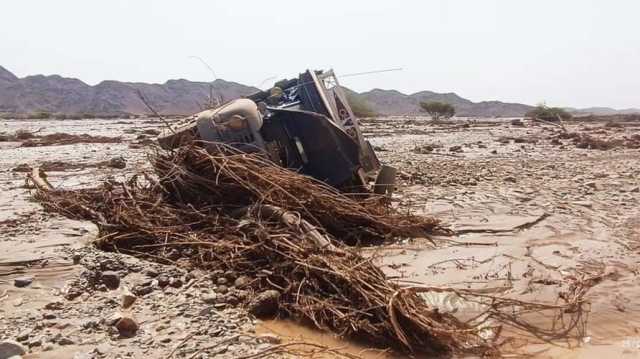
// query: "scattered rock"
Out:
[592,185]
[209,298]
[23,282]
[510,179]
[23,335]
[128,299]
[62,340]
[76,258]
[222,289]
[163,280]
[9,348]
[127,326]
[175,282]
[117,162]
[455,149]
[102,349]
[142,290]
[54,306]
[72,293]
[90,324]
[265,304]
[222,281]
[35,342]
[242,281]
[111,279]
[152,273]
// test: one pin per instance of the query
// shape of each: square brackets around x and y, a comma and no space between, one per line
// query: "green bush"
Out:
[41,115]
[438,110]
[543,112]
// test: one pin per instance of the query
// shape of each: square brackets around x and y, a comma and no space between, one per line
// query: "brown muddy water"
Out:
[528,215]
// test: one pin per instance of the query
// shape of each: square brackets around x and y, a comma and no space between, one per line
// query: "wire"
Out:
[371,72]
[205,64]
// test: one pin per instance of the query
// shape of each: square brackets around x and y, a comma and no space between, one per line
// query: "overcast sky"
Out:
[575,53]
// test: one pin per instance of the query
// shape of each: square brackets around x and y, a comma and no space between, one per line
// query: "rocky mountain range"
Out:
[393,102]
[56,94]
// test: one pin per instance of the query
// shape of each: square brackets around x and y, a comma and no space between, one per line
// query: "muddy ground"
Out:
[529,208]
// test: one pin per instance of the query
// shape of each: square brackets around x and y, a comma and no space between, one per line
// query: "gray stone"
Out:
[110,279]
[9,348]
[22,282]
[242,281]
[265,304]
[117,162]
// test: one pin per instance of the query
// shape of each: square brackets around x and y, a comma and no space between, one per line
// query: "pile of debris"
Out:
[222,209]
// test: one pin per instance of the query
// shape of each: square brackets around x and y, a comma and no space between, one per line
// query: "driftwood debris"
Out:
[227,210]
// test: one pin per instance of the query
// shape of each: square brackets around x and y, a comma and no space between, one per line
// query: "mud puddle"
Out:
[291,332]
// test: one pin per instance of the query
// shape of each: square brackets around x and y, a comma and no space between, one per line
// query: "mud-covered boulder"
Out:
[265,304]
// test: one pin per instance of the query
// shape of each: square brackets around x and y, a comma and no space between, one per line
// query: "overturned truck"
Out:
[305,124]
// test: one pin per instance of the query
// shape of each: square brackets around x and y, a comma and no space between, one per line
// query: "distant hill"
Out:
[392,102]
[602,111]
[56,94]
